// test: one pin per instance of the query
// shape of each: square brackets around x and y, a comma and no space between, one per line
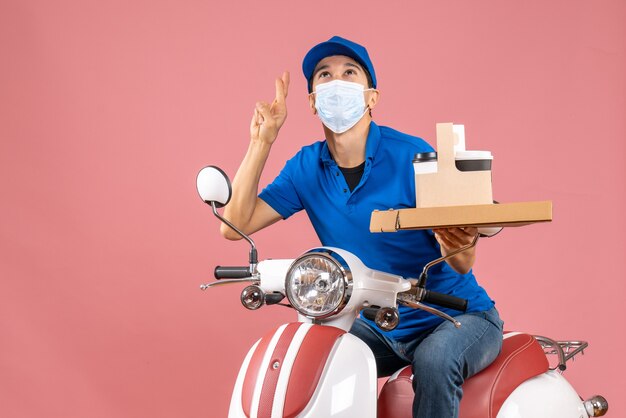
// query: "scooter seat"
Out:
[484,393]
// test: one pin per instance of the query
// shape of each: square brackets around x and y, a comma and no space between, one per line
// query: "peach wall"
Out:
[109,108]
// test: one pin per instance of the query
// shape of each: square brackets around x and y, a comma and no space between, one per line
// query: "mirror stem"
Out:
[253,252]
[424,276]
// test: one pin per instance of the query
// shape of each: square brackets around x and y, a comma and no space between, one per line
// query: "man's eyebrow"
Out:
[317,70]
[347,64]
[350,64]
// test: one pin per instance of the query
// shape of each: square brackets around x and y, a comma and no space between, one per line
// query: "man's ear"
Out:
[372,100]
[312,103]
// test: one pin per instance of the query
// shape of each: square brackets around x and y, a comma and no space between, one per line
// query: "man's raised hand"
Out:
[268,119]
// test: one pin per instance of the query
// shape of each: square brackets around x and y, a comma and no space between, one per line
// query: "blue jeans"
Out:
[442,358]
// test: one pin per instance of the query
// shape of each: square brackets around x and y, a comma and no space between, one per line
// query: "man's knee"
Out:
[436,367]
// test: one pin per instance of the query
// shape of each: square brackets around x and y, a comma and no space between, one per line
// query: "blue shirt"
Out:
[312,181]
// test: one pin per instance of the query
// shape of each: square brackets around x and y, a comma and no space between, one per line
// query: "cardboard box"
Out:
[454,198]
[449,186]
[500,215]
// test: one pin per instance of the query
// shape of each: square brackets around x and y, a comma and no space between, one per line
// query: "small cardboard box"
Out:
[449,186]
[453,198]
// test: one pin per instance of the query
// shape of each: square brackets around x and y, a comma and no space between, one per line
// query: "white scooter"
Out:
[315,368]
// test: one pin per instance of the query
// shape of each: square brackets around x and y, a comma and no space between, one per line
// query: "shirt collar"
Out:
[371,146]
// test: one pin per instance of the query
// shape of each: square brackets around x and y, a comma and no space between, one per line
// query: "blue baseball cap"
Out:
[337,46]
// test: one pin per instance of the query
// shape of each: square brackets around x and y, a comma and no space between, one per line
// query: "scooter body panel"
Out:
[548,395]
[348,387]
[236,407]
[292,372]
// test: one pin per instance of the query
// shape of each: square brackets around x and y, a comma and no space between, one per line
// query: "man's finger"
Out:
[282,87]
[286,82]
[462,233]
[264,111]
[446,232]
[470,230]
[457,232]
[443,240]
[257,119]
[253,122]
[451,238]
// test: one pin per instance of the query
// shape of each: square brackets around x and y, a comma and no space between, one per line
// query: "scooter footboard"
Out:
[304,370]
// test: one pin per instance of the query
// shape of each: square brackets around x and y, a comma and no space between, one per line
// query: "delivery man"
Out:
[356,168]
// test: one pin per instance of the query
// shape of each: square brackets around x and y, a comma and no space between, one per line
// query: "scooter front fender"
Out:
[305,371]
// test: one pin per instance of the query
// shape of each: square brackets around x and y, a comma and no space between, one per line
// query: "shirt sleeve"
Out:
[282,193]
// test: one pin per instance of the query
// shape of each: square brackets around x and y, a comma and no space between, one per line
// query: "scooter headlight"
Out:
[319,283]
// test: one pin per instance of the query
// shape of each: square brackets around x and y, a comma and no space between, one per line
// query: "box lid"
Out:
[503,214]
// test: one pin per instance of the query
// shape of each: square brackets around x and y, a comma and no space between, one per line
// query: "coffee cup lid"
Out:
[474,155]
[425,157]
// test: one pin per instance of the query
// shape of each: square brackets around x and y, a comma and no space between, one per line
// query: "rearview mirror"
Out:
[214,186]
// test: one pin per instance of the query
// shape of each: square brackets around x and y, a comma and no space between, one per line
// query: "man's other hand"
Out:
[451,239]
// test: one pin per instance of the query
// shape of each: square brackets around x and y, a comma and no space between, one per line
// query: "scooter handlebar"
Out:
[446,301]
[232,272]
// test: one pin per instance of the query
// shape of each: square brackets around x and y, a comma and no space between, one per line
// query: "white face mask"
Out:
[340,104]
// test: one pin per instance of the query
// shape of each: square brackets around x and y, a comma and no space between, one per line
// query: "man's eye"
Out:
[350,72]
[324,74]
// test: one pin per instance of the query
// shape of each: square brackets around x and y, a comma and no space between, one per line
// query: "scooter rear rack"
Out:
[564,350]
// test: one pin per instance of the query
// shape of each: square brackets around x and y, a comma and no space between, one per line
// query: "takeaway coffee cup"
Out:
[476,161]
[473,160]
[425,162]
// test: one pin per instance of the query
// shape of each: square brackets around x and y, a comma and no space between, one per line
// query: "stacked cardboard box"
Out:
[450,197]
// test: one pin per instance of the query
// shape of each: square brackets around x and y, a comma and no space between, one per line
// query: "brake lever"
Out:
[405,299]
[228,281]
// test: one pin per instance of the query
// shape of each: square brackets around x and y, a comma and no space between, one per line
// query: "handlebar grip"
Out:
[232,272]
[446,301]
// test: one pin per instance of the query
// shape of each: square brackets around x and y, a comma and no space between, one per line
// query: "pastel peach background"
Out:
[109,108]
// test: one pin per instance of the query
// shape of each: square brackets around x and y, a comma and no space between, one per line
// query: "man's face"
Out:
[338,67]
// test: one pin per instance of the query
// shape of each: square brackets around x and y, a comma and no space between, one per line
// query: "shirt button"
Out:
[345,190]
[337,173]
